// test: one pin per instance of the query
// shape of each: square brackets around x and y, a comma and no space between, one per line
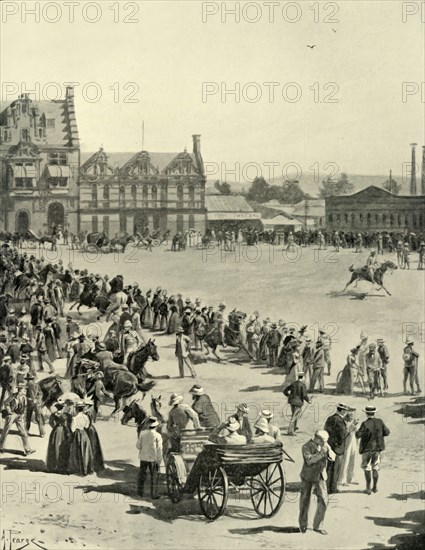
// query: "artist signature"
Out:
[15,540]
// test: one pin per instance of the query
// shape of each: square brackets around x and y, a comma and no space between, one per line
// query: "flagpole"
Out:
[143,135]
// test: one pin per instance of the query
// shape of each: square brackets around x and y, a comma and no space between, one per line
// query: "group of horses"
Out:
[122,381]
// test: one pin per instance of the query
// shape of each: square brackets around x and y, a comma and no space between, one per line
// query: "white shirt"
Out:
[150,446]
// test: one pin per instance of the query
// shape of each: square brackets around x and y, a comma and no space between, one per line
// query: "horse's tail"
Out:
[351,268]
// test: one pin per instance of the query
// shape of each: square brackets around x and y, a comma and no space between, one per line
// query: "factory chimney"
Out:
[413,170]
[423,171]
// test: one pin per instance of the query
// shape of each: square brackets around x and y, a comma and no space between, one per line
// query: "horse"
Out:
[137,360]
[98,240]
[362,274]
[122,241]
[91,297]
[232,335]
[123,384]
[22,281]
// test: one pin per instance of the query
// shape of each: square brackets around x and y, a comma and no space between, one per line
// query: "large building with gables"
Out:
[39,163]
[126,192]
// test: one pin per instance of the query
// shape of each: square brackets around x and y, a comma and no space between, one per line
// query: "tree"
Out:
[259,190]
[223,187]
[341,186]
[392,186]
[292,192]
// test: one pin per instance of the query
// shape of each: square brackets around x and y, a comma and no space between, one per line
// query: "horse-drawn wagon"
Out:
[212,470]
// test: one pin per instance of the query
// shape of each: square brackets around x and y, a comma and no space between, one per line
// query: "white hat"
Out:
[262,425]
[323,434]
[127,323]
[265,413]
[175,399]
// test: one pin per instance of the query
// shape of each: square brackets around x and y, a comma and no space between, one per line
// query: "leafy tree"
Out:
[292,192]
[341,186]
[223,187]
[259,190]
[392,186]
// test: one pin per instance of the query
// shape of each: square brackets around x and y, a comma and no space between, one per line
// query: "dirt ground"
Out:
[53,511]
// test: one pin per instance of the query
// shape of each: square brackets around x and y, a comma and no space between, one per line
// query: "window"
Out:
[94,224]
[331,219]
[414,220]
[106,196]
[353,219]
[57,182]
[134,194]
[180,222]
[180,196]
[145,195]
[25,135]
[191,221]
[391,219]
[154,196]
[191,196]
[406,221]
[346,218]
[23,182]
[57,159]
[121,197]
[338,219]
[50,123]
[369,219]
[94,196]
[384,218]
[106,224]
[399,220]
[361,218]
[376,219]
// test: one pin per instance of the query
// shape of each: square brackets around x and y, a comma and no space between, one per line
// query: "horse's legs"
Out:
[215,354]
[353,278]
[78,309]
[382,286]
[117,406]
[73,305]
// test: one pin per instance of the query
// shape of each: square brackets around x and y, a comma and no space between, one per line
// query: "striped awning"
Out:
[59,171]
[24,171]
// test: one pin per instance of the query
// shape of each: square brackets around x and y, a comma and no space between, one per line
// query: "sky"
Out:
[337,106]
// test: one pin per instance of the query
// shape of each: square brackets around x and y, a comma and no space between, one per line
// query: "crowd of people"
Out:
[38,331]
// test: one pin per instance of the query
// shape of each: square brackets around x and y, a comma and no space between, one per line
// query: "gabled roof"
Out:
[227,203]
[158,160]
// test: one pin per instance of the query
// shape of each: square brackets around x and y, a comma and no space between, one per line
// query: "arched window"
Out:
[346,218]
[121,197]
[154,195]
[361,218]
[369,219]
[330,218]
[106,196]
[191,196]
[180,196]
[94,196]
[391,219]
[145,195]
[134,195]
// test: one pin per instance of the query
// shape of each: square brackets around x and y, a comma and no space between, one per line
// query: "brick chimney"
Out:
[196,144]
[413,170]
[423,171]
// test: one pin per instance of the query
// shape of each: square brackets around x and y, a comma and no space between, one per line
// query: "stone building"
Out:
[375,209]
[39,163]
[125,192]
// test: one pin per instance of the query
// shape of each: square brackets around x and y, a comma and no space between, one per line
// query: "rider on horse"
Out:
[372,264]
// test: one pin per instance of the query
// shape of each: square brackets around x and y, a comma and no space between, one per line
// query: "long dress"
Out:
[173,322]
[345,385]
[59,443]
[98,461]
[80,454]
[147,316]
[349,457]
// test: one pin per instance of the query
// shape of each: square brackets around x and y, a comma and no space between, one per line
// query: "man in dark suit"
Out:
[296,394]
[371,434]
[337,430]
[316,454]
[202,405]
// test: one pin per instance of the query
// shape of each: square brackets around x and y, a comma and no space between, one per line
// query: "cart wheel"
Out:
[267,490]
[213,490]
[174,486]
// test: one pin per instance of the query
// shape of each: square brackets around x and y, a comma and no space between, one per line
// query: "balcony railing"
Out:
[130,204]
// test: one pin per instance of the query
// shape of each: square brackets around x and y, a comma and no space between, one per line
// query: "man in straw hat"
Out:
[149,443]
[410,371]
[317,454]
[371,434]
[337,429]
[297,395]
[201,404]
[274,430]
[262,432]
[178,419]
[14,413]
[229,434]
